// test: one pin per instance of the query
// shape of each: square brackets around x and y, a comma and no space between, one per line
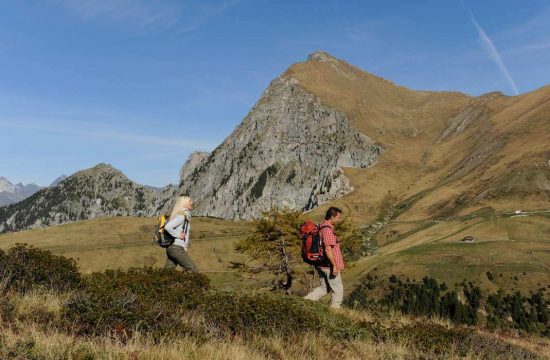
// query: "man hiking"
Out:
[330,275]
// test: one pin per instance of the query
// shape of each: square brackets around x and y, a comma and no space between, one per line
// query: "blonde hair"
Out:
[182,204]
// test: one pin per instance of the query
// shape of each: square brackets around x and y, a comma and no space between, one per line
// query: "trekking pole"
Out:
[286,267]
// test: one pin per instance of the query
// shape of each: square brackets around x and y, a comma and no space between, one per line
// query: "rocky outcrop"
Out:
[194,160]
[289,151]
[97,192]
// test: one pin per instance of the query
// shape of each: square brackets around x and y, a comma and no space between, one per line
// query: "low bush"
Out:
[120,302]
[266,314]
[158,301]
[25,268]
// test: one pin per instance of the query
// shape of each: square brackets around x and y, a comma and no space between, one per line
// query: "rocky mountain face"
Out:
[290,150]
[100,191]
[10,193]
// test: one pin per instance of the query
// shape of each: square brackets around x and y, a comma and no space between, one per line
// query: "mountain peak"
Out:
[320,55]
[100,169]
[102,166]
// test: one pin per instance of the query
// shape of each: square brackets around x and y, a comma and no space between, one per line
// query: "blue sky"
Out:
[140,84]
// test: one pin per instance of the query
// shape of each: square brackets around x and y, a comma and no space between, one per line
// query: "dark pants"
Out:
[176,255]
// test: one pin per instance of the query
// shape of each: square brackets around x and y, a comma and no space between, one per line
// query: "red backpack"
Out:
[312,247]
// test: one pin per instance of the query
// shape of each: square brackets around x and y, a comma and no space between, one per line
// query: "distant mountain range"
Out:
[10,193]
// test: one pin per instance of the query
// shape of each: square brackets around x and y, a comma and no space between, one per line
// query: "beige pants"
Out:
[327,285]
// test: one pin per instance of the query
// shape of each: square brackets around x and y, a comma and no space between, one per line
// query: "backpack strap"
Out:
[185,225]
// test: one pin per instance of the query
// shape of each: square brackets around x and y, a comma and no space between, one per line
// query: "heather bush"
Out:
[269,313]
[25,268]
[120,302]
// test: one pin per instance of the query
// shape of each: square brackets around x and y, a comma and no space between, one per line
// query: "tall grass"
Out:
[30,331]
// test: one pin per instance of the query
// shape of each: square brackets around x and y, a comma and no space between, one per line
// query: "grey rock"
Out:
[195,159]
[101,191]
[288,151]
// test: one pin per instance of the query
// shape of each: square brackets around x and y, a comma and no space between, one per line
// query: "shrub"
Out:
[269,313]
[25,268]
[122,301]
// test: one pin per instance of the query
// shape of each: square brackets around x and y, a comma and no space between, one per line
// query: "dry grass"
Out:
[35,342]
[31,332]
[124,242]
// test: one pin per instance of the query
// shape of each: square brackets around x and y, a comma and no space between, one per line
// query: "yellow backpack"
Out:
[161,237]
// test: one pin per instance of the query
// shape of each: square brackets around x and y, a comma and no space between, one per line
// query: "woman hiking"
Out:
[179,226]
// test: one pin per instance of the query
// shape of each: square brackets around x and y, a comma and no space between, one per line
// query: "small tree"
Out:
[275,246]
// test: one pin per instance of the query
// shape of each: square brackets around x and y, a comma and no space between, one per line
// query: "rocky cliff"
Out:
[290,150]
[96,192]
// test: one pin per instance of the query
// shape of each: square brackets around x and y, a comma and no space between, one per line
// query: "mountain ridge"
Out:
[100,191]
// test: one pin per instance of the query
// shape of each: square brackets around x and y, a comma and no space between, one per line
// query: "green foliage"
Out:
[527,313]
[24,268]
[267,314]
[147,299]
[350,239]
[264,246]
[156,301]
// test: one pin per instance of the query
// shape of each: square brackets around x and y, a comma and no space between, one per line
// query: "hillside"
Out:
[454,166]
[100,191]
[448,152]
[226,320]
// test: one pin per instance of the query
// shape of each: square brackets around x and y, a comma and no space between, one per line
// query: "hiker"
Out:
[330,276]
[179,227]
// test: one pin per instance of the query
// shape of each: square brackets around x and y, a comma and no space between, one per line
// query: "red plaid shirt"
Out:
[328,238]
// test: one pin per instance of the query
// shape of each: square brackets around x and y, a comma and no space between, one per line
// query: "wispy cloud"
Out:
[536,46]
[108,133]
[537,23]
[493,53]
[139,12]
[201,14]
[181,17]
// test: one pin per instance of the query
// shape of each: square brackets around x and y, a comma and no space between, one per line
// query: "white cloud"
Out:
[493,53]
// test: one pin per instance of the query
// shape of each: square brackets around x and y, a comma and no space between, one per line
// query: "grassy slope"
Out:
[498,161]
[126,242]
